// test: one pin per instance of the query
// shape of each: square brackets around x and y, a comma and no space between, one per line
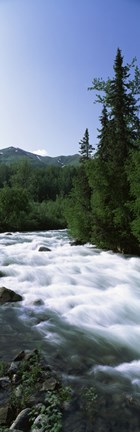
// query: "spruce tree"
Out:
[118,135]
[86,149]
[104,136]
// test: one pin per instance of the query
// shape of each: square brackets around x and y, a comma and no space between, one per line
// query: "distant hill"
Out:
[13,155]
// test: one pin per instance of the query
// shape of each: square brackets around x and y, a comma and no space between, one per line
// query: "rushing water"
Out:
[80,305]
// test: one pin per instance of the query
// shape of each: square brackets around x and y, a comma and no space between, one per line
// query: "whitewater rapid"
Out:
[85,303]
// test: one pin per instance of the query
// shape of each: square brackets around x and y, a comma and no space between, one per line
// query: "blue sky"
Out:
[50,50]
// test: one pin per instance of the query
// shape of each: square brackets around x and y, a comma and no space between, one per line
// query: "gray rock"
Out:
[22,421]
[4,415]
[39,302]
[31,354]
[40,423]
[7,295]
[14,430]
[12,369]
[5,382]
[50,384]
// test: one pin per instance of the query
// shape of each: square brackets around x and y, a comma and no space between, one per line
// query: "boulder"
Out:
[38,425]
[20,356]
[7,295]
[50,384]
[12,369]
[39,302]
[4,382]
[44,249]
[22,421]
[76,243]
[4,415]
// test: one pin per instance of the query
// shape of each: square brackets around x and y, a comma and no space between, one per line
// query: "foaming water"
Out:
[84,304]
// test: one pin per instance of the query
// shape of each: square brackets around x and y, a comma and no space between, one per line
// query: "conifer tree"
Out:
[119,133]
[104,203]
[104,135]
[86,149]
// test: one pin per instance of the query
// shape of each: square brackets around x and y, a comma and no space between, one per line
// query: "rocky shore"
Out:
[35,398]
[32,396]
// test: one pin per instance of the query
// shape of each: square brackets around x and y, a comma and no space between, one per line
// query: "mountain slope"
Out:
[13,155]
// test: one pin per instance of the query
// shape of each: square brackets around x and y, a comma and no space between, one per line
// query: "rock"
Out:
[20,356]
[39,302]
[22,421]
[31,355]
[76,243]
[4,415]
[2,274]
[12,369]
[44,249]
[7,295]
[4,382]
[50,384]
[39,423]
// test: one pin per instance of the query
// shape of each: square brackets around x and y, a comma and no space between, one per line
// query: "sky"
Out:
[50,51]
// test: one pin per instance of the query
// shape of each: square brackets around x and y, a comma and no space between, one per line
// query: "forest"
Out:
[33,198]
[99,200]
[104,204]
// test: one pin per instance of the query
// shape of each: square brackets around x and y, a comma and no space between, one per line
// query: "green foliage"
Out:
[47,215]
[14,206]
[104,204]
[4,429]
[65,394]
[86,149]
[50,415]
[133,171]
[29,374]
[22,174]
[51,412]
[77,207]
[5,174]
[89,401]
[33,198]
[3,368]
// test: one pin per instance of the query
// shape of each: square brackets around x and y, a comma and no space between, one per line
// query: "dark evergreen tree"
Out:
[78,209]
[104,136]
[86,149]
[119,133]
[133,171]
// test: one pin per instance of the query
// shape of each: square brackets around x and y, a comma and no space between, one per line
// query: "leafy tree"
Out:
[22,174]
[5,174]
[14,207]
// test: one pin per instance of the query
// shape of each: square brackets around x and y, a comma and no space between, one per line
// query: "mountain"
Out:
[13,155]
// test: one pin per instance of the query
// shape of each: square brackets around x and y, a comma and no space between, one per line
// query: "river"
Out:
[80,305]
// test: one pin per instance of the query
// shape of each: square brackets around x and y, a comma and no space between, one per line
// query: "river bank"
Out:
[80,309]
[33,398]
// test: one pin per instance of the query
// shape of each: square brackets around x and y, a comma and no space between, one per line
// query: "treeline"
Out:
[104,205]
[99,201]
[33,198]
